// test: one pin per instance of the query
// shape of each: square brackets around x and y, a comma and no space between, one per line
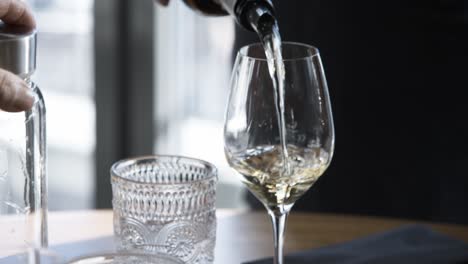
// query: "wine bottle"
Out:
[246,12]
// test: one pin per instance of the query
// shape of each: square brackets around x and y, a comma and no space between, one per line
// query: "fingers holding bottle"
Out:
[162,2]
[16,12]
[15,95]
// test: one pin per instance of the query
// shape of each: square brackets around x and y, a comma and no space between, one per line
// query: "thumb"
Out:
[15,95]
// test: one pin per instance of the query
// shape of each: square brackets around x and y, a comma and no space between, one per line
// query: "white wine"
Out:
[268,31]
[263,172]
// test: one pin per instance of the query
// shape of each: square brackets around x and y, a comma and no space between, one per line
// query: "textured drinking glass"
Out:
[165,204]
[127,259]
[279,172]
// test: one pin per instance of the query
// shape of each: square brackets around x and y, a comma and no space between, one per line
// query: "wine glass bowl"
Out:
[252,139]
[277,166]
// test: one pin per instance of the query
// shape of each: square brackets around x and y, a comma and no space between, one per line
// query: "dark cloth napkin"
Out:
[410,244]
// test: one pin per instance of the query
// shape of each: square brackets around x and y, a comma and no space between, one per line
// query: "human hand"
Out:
[163,2]
[15,95]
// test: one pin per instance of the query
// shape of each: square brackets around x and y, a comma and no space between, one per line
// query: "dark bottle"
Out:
[246,12]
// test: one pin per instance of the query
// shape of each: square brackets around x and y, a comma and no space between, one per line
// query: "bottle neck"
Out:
[254,14]
[246,12]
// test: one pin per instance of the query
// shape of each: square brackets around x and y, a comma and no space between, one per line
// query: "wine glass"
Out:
[278,174]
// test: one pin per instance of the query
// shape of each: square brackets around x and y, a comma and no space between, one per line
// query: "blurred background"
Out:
[123,78]
[185,86]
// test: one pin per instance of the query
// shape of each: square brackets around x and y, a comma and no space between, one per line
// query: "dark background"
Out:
[397,74]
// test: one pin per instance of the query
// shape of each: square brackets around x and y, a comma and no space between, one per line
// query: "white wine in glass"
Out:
[280,143]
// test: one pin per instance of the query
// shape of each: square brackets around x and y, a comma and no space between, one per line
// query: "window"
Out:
[193,67]
[65,76]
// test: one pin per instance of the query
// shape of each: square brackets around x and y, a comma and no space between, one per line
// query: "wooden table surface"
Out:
[243,236]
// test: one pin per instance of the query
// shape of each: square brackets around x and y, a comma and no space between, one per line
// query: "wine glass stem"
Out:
[278,219]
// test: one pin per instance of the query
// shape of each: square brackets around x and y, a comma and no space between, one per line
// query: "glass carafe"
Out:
[23,185]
